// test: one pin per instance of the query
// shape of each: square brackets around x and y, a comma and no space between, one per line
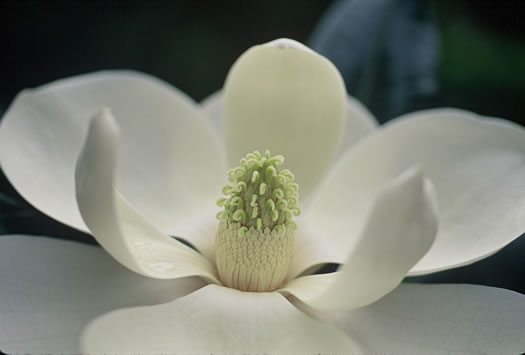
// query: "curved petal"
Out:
[401,227]
[284,97]
[477,166]
[359,122]
[434,319]
[51,289]
[172,162]
[212,107]
[119,228]
[215,319]
[201,232]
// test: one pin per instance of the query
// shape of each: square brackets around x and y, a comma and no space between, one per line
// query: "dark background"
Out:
[475,61]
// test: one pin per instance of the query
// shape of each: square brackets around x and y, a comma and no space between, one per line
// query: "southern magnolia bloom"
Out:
[153,167]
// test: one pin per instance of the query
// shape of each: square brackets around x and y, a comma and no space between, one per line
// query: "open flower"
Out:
[153,167]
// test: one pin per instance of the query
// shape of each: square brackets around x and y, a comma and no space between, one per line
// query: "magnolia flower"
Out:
[153,163]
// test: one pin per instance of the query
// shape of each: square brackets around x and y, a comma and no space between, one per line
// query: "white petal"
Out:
[427,319]
[215,319]
[119,228]
[400,230]
[172,162]
[212,107]
[476,164]
[51,289]
[359,121]
[286,98]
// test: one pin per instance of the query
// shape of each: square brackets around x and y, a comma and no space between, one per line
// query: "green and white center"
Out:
[255,239]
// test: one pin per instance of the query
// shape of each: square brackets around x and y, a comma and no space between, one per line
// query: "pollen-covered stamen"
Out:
[255,240]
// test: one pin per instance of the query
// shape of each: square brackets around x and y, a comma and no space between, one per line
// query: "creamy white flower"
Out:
[154,165]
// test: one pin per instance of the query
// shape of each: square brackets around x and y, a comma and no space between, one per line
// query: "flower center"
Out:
[255,239]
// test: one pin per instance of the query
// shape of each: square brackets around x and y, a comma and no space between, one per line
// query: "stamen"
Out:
[255,239]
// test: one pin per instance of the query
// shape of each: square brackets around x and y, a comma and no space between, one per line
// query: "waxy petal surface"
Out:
[172,162]
[400,229]
[284,97]
[359,122]
[115,224]
[476,164]
[440,319]
[215,319]
[51,289]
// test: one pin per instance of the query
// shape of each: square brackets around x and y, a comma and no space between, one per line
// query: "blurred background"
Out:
[396,56]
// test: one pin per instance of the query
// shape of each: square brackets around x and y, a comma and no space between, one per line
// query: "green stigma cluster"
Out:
[260,195]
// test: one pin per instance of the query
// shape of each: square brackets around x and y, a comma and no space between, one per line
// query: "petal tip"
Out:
[412,177]
[286,43]
[103,122]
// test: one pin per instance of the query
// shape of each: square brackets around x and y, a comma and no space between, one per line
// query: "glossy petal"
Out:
[215,319]
[115,224]
[418,319]
[401,227]
[286,98]
[476,164]
[51,289]
[359,122]
[172,162]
